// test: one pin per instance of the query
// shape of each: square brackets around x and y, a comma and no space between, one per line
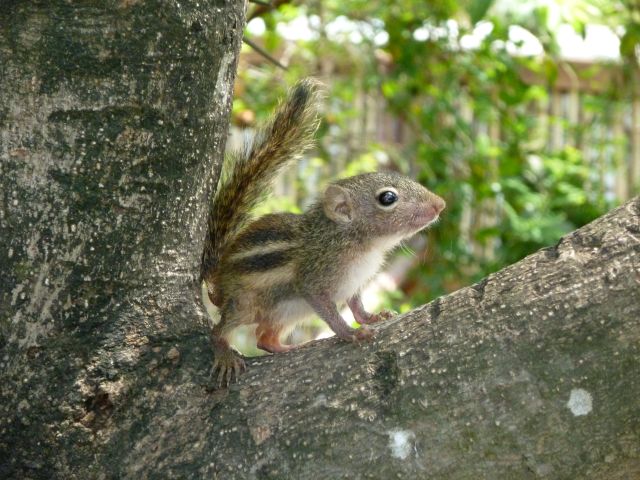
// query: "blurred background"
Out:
[523,115]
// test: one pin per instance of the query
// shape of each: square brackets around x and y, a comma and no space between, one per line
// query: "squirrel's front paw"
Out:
[377,317]
[384,315]
[363,334]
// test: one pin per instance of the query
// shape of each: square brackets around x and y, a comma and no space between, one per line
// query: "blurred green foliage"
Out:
[472,127]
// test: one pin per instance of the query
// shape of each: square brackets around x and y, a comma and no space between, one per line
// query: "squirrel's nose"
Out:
[438,204]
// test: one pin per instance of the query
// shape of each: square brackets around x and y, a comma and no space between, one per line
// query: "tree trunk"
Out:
[112,125]
[113,120]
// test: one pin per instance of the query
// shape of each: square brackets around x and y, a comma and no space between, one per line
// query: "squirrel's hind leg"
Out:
[227,364]
[268,337]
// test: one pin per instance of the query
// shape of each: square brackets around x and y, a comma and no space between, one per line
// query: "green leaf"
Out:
[478,9]
[629,41]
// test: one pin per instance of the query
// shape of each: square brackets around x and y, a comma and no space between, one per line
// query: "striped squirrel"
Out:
[281,268]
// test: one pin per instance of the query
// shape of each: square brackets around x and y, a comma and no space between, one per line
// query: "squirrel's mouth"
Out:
[425,217]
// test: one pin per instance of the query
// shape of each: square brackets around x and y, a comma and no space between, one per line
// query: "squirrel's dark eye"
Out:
[387,197]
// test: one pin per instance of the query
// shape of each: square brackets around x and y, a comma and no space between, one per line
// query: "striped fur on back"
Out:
[251,170]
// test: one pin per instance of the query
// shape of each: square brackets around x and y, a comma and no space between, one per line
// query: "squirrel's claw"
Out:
[238,367]
[366,318]
[386,314]
[228,366]
[363,334]
[379,317]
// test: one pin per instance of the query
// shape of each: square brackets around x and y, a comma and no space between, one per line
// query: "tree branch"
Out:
[530,373]
[264,53]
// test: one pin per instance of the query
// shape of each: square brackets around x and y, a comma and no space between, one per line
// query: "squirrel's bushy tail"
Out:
[284,138]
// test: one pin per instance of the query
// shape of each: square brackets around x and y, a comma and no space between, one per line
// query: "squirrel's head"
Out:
[382,204]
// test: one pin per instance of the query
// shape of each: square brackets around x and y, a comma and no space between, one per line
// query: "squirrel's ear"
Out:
[337,204]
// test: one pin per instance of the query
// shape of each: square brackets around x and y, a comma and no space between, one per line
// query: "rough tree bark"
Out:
[112,123]
[113,119]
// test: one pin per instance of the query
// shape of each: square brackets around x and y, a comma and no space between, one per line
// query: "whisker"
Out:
[408,250]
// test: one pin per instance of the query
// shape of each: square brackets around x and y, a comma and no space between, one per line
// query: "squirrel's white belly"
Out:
[364,267]
[360,271]
[288,313]
[292,311]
